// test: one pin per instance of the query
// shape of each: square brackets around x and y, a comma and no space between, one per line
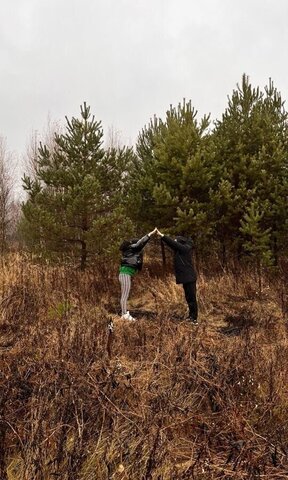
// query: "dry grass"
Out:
[154,400]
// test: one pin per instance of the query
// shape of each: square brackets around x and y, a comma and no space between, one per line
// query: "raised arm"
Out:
[142,242]
[176,246]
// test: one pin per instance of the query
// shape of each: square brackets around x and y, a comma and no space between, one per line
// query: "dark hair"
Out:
[124,245]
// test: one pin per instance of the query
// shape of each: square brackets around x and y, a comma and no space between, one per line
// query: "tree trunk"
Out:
[83,255]
[3,470]
[223,254]
[163,254]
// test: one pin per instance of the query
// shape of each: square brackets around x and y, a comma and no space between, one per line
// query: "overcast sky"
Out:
[130,59]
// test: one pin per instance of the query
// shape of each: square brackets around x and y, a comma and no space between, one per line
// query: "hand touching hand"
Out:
[159,233]
[152,233]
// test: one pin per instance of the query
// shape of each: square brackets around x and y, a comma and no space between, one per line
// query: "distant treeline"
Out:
[225,184]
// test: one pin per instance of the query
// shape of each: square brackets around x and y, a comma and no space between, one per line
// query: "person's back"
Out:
[184,270]
[132,252]
[183,263]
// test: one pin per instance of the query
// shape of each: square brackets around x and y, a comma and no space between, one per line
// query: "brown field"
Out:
[157,399]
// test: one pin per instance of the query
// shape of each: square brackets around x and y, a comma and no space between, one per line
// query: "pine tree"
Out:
[173,182]
[250,161]
[74,204]
[257,239]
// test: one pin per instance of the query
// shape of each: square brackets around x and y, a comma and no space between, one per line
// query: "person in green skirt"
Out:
[131,263]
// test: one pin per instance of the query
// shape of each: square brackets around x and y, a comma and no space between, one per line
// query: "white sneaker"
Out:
[127,316]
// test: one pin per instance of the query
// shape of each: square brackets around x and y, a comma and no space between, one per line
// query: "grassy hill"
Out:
[157,399]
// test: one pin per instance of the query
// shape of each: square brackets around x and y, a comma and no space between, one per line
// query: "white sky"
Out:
[130,59]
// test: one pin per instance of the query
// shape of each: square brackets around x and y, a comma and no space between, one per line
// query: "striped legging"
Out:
[125,282]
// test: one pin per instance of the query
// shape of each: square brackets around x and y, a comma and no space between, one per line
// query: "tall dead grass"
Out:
[156,399]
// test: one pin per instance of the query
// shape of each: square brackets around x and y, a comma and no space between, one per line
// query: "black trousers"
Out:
[191,299]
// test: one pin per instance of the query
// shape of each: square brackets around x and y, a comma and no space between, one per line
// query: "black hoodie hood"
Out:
[184,240]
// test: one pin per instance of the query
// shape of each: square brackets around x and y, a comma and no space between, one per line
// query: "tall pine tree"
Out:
[250,162]
[74,205]
[173,178]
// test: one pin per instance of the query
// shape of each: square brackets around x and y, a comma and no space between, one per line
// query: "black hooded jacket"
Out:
[183,265]
[132,254]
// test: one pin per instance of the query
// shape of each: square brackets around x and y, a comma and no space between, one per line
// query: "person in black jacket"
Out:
[185,272]
[131,263]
